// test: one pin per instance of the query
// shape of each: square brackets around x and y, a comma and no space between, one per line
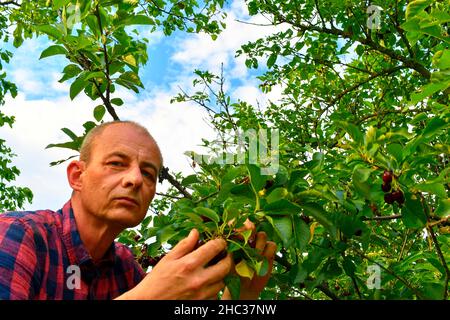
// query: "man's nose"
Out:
[133,177]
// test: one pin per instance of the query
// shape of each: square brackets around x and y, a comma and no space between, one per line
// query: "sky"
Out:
[43,106]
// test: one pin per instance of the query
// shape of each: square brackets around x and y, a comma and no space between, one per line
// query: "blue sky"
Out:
[43,105]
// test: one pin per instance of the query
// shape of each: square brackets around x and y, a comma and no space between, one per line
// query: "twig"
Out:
[394,216]
[168,195]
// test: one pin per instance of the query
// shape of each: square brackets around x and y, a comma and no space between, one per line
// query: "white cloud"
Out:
[200,51]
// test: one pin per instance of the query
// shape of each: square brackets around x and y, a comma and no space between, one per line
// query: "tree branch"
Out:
[394,216]
[165,175]
[5,3]
[408,62]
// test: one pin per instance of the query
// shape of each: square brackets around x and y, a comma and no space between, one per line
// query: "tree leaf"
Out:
[53,50]
[283,227]
[117,101]
[233,283]
[99,112]
[412,212]
[244,270]
[435,188]
[138,19]
[77,86]
[50,31]
[301,233]
[208,213]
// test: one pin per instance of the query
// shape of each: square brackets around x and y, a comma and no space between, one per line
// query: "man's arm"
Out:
[182,274]
[18,260]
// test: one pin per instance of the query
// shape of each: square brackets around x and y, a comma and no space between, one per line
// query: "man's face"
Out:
[119,180]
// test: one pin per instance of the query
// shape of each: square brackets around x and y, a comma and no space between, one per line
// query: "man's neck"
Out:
[96,235]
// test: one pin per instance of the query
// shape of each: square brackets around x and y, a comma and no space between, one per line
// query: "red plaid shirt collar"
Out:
[78,255]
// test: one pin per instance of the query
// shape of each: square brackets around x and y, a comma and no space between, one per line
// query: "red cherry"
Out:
[389,198]
[387,176]
[252,242]
[386,187]
[398,196]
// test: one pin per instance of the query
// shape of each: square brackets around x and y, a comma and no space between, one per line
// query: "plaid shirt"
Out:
[42,257]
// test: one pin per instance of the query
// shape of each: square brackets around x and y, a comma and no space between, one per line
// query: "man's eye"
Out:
[116,163]
[148,174]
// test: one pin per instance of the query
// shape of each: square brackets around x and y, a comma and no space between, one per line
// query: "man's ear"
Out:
[74,171]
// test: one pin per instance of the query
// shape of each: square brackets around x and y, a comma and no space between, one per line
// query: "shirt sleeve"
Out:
[18,261]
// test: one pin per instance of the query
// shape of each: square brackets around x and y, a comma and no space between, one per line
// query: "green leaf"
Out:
[77,86]
[50,31]
[412,212]
[301,233]
[396,150]
[233,283]
[443,209]
[427,90]
[277,194]
[272,59]
[434,126]
[319,214]
[441,59]
[190,180]
[359,179]
[414,8]
[435,188]
[282,207]
[138,19]
[283,227]
[117,101]
[256,179]
[349,266]
[353,131]
[99,112]
[208,213]
[53,50]
[70,71]
[433,290]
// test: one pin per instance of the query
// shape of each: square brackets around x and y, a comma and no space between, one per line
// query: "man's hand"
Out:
[251,288]
[182,274]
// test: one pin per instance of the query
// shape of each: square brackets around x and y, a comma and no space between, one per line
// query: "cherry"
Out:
[386,187]
[398,196]
[205,219]
[388,198]
[306,219]
[269,184]
[252,242]
[387,176]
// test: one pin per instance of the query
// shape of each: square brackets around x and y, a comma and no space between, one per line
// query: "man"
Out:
[113,184]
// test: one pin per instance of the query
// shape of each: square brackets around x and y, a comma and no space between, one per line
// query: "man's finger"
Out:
[210,293]
[218,271]
[185,246]
[261,239]
[270,250]
[208,251]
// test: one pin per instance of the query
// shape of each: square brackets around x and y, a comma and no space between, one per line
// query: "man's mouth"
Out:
[127,201]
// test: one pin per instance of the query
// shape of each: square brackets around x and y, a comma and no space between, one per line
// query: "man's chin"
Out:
[127,219]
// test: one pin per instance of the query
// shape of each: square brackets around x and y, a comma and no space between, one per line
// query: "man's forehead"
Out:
[127,139]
